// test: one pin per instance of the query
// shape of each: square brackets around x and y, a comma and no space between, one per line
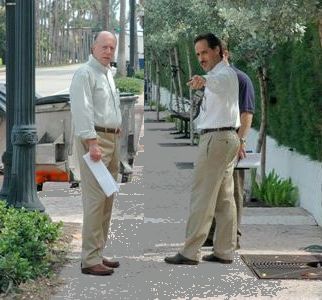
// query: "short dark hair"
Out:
[212,41]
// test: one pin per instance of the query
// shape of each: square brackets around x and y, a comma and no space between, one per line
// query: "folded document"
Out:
[102,175]
[251,161]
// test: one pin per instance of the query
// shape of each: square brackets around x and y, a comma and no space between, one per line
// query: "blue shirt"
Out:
[246,92]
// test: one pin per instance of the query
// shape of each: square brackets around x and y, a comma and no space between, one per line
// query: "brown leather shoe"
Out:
[99,270]
[110,264]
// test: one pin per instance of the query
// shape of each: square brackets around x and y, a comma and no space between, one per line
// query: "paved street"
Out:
[148,223]
[51,80]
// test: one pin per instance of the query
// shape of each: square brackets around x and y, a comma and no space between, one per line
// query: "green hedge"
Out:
[295,114]
[129,85]
[295,93]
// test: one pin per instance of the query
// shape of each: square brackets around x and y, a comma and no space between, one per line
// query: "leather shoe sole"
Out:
[179,259]
[98,270]
[214,258]
[110,264]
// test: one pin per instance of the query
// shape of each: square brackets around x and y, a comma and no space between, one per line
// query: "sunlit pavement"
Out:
[148,223]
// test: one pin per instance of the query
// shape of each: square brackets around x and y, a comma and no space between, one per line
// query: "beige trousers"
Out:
[212,195]
[97,207]
[239,179]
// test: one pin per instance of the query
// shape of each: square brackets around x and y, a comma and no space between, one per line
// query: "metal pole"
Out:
[132,29]
[22,191]
[10,88]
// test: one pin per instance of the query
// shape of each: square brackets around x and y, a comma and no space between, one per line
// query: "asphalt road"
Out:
[53,80]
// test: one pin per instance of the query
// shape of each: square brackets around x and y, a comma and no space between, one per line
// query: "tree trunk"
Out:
[121,59]
[174,74]
[136,51]
[157,68]
[190,95]
[261,144]
[320,26]
[176,57]
[106,14]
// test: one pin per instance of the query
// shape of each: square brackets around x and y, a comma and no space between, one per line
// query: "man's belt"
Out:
[204,131]
[107,130]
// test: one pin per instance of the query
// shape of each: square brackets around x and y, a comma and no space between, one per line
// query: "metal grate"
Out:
[285,266]
[174,144]
[184,165]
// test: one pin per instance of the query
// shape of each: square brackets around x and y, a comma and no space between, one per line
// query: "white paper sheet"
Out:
[102,175]
[251,161]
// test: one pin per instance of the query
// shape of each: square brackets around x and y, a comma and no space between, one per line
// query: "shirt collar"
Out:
[97,65]
[217,67]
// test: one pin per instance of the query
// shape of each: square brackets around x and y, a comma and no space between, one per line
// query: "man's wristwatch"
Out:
[242,141]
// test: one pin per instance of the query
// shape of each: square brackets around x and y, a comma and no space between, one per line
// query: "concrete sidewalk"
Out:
[148,223]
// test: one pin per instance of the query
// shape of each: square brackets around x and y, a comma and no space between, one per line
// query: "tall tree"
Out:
[121,58]
[105,14]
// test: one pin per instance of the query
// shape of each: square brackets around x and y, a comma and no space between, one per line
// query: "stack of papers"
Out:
[251,161]
[102,175]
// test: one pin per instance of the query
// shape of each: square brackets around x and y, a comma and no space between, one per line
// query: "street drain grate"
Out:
[285,266]
[184,165]
[174,144]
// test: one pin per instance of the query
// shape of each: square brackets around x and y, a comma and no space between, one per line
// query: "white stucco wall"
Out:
[305,173]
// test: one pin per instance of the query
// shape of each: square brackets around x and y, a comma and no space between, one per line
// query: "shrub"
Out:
[276,191]
[139,74]
[129,85]
[25,238]
[153,105]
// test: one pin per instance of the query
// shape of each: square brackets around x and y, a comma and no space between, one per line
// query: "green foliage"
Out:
[139,74]
[129,85]
[296,95]
[276,191]
[25,240]
[153,105]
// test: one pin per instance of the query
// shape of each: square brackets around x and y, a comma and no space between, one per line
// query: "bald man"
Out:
[96,116]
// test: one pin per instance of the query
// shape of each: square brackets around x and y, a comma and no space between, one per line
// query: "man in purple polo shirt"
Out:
[246,109]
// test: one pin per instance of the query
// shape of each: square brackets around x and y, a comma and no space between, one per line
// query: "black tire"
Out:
[39,187]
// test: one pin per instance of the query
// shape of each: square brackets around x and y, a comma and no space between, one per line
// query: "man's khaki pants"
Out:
[212,195]
[239,179]
[97,207]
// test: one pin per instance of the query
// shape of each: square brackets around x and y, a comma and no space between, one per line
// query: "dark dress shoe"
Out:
[208,243]
[110,264]
[179,259]
[99,270]
[214,258]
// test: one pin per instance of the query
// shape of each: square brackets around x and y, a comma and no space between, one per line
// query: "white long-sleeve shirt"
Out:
[219,107]
[94,99]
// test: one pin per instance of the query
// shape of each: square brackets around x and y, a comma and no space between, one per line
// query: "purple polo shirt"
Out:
[246,92]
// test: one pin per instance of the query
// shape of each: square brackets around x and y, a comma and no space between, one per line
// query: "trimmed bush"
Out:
[129,85]
[139,74]
[25,239]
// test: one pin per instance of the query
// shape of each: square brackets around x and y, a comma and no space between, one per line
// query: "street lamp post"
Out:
[10,88]
[22,192]
[132,38]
